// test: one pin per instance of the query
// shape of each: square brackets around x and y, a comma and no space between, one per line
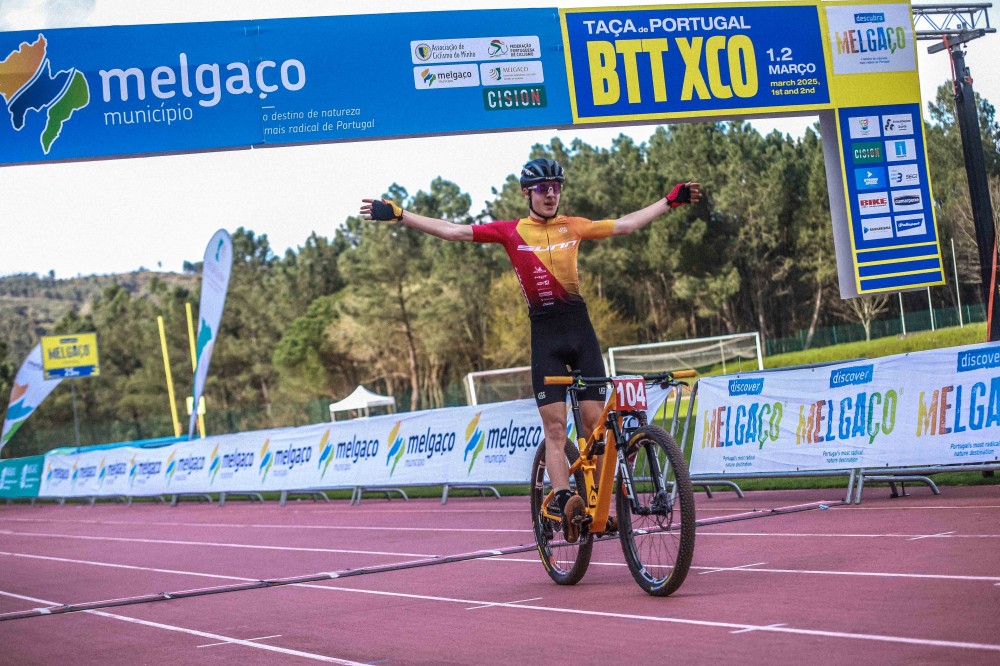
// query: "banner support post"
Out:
[170,378]
[76,420]
[194,364]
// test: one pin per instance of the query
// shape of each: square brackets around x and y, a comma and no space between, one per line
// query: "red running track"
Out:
[910,580]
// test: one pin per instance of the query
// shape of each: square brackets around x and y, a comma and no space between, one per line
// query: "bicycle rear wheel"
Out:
[658,536]
[566,563]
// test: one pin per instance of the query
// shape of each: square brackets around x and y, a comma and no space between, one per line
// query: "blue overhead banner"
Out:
[87,93]
[631,64]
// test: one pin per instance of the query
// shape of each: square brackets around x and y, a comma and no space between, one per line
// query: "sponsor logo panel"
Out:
[436,77]
[876,228]
[873,203]
[864,127]
[433,51]
[864,42]
[897,124]
[900,150]
[901,175]
[868,152]
[510,73]
[514,97]
[907,200]
[910,225]
[870,178]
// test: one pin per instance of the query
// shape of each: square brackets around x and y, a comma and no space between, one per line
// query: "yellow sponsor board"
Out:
[70,356]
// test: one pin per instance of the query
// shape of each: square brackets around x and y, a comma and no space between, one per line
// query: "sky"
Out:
[115,216]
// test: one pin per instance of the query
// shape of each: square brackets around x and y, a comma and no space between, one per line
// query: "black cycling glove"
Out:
[386,211]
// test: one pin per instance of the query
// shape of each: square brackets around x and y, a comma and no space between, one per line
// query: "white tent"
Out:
[361,400]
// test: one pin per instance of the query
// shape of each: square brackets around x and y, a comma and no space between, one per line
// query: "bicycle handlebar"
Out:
[569,380]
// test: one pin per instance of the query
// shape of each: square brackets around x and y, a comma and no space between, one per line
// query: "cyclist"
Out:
[543,249]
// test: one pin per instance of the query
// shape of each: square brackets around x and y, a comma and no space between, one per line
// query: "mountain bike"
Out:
[643,469]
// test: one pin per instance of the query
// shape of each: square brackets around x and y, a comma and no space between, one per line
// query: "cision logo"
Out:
[28,84]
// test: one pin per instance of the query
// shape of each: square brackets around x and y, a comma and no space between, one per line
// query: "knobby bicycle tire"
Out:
[566,563]
[658,540]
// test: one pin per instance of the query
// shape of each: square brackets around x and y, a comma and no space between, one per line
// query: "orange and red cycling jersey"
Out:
[544,256]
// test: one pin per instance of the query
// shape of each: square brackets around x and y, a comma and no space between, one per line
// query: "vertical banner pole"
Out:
[930,307]
[194,365]
[76,420]
[958,292]
[902,315]
[170,378]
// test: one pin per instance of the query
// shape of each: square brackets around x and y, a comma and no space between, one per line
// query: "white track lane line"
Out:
[715,570]
[928,536]
[627,616]
[703,531]
[815,572]
[534,561]
[256,638]
[923,642]
[200,634]
[283,526]
[173,542]
[519,601]
[833,535]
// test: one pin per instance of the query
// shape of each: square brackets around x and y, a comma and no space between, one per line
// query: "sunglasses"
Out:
[543,188]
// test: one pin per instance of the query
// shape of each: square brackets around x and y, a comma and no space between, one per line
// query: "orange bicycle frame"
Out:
[597,495]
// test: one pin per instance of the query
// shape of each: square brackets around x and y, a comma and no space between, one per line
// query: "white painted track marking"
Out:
[174,542]
[932,536]
[742,566]
[257,638]
[534,561]
[200,634]
[627,616]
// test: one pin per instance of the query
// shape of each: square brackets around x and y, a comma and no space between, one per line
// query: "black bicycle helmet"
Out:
[541,169]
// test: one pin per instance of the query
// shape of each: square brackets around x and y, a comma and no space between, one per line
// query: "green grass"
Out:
[902,344]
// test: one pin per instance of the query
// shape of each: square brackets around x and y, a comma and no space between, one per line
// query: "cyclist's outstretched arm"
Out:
[682,194]
[385,210]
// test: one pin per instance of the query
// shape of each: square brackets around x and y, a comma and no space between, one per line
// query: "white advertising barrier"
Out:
[933,407]
[492,443]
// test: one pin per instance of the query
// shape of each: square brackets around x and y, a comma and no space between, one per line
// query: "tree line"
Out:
[409,315]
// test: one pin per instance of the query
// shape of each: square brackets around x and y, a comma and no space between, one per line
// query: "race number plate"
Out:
[630,393]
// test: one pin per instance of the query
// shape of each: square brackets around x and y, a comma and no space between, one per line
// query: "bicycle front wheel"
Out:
[566,563]
[657,534]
